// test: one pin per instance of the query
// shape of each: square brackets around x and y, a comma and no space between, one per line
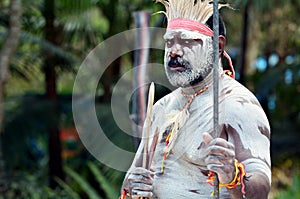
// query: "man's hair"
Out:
[200,11]
[222,28]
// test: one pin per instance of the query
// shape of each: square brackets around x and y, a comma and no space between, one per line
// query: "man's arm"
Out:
[248,130]
[138,180]
[224,158]
[136,163]
[257,186]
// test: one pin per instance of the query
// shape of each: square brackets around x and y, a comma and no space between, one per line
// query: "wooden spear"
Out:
[216,84]
[147,125]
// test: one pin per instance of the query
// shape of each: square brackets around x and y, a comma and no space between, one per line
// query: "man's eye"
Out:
[199,41]
[191,41]
[169,42]
[188,41]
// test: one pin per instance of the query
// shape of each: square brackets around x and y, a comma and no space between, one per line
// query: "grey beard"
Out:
[190,76]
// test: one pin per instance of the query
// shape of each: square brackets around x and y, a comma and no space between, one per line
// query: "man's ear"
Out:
[222,42]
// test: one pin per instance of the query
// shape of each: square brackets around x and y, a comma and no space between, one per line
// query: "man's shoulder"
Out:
[235,93]
[167,102]
[240,103]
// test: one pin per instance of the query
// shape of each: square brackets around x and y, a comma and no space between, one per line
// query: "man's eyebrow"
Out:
[168,36]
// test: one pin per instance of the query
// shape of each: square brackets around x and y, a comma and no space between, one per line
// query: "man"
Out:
[185,152]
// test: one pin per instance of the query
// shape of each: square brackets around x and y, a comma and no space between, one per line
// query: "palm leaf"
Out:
[105,184]
[113,176]
[71,7]
[67,188]
[26,36]
[86,187]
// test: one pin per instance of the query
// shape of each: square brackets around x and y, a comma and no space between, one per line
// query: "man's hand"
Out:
[218,154]
[140,182]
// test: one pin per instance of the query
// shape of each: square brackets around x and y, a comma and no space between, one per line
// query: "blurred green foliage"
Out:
[77,185]
[85,24]
[292,191]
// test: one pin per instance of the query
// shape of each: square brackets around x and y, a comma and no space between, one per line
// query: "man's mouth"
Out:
[177,64]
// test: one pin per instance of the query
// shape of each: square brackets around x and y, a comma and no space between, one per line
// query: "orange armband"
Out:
[240,175]
[124,194]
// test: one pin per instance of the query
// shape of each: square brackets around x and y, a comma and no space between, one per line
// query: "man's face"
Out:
[188,57]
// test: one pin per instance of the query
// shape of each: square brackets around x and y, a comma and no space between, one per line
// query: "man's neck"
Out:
[207,81]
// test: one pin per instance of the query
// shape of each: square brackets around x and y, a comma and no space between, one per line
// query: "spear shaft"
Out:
[147,124]
[216,84]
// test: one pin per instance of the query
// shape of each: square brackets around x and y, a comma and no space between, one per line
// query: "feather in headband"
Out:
[199,11]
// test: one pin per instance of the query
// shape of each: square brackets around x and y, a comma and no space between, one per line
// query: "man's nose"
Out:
[176,50]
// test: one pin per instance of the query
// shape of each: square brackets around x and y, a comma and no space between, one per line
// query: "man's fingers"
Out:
[223,143]
[214,160]
[225,172]
[140,183]
[139,178]
[207,138]
[220,151]
[141,187]
[141,171]
[136,194]
[219,160]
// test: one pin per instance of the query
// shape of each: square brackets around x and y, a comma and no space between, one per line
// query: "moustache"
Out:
[178,64]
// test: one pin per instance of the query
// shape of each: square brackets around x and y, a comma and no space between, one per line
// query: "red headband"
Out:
[187,24]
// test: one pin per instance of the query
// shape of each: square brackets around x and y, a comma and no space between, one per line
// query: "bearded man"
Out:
[185,152]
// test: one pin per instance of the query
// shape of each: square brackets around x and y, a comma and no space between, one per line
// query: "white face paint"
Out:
[188,57]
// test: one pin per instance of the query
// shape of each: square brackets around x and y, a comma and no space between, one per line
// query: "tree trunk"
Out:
[244,45]
[52,34]
[6,56]
[3,174]
[113,70]
[250,42]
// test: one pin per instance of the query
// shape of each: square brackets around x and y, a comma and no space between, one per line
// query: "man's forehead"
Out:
[184,34]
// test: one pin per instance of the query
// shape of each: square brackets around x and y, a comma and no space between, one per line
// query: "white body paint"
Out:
[242,122]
